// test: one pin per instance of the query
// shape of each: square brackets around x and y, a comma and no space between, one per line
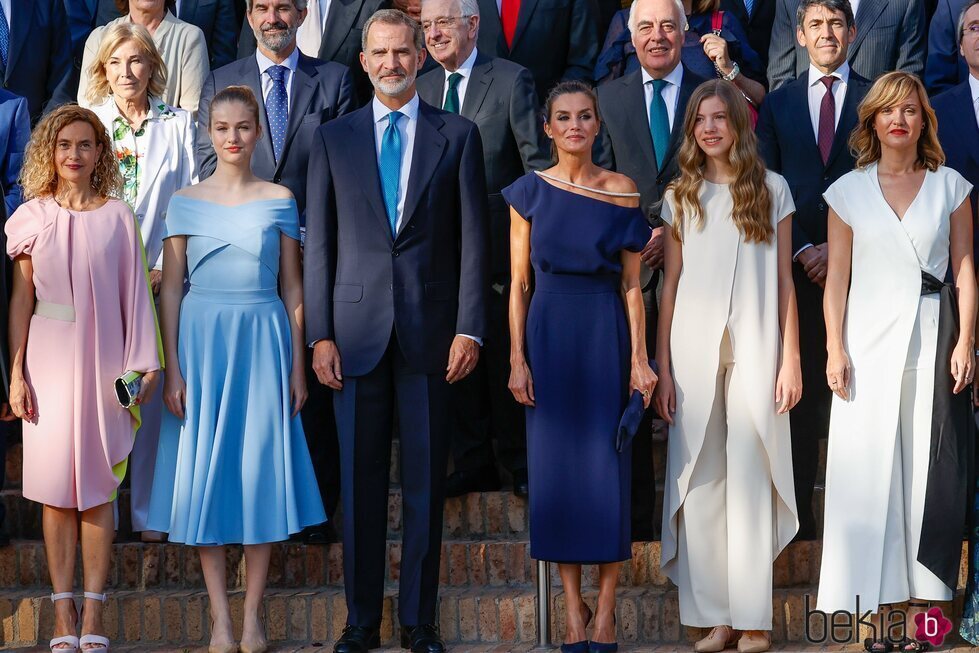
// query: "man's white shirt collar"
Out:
[675,76]
[466,69]
[264,63]
[381,112]
[842,73]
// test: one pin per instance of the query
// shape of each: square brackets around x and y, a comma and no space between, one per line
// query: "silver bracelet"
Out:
[731,75]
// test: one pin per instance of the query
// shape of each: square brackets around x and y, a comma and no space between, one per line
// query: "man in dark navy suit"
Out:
[35,53]
[802,131]
[945,67]
[395,279]
[958,108]
[315,92]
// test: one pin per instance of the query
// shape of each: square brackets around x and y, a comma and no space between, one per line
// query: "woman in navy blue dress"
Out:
[577,351]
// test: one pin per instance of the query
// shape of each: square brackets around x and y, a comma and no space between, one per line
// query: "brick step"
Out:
[316,617]
[464,563]
[486,515]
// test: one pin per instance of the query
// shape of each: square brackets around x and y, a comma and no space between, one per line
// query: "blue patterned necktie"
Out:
[4,39]
[749,5]
[277,108]
[659,122]
[391,169]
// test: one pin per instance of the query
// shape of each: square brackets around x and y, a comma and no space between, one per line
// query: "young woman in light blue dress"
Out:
[233,467]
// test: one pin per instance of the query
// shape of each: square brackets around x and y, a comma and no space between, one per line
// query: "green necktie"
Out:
[659,122]
[452,96]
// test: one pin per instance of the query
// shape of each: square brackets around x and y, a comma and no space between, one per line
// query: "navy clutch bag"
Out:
[629,424]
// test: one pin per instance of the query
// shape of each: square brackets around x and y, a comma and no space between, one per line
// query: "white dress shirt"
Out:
[670,92]
[853,5]
[176,7]
[264,63]
[974,88]
[406,127]
[466,69]
[817,90]
[6,10]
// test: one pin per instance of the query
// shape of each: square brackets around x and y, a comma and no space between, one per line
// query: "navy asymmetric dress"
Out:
[578,350]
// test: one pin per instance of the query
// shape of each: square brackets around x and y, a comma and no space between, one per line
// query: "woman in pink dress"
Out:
[81,314]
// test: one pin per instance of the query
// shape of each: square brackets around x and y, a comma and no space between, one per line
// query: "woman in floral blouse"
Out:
[153,143]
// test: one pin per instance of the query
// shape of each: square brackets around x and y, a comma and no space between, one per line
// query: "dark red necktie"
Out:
[509,9]
[827,119]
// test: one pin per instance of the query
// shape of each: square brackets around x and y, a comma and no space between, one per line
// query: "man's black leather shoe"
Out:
[321,534]
[422,639]
[357,639]
[484,479]
[521,487]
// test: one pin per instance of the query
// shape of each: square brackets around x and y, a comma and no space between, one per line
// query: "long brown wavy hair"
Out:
[752,201]
[888,91]
[39,177]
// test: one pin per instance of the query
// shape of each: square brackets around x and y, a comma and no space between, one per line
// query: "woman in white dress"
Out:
[899,354]
[729,373]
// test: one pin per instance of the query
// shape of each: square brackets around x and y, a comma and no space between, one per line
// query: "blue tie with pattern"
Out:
[4,39]
[749,5]
[391,169]
[277,108]
[659,122]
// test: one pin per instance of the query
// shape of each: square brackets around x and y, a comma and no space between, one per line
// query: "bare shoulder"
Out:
[199,191]
[615,182]
[268,190]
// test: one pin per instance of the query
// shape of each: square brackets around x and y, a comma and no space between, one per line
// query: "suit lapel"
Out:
[687,86]
[339,20]
[965,120]
[867,14]
[523,18]
[798,106]
[635,100]
[20,29]
[302,91]
[252,78]
[429,146]
[362,151]
[848,119]
[478,85]
[156,155]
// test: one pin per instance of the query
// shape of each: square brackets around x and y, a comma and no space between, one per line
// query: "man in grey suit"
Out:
[499,96]
[332,33]
[315,92]
[890,36]
[645,149]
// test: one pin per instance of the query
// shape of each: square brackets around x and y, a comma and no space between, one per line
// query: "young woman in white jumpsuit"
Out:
[729,373]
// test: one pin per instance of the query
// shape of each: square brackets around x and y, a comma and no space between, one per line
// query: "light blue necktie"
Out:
[659,122]
[750,6]
[391,168]
[277,108]
[4,39]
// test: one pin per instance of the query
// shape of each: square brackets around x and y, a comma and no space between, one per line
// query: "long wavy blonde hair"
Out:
[752,201]
[115,36]
[889,90]
[39,177]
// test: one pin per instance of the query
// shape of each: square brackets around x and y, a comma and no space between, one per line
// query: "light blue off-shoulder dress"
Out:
[236,469]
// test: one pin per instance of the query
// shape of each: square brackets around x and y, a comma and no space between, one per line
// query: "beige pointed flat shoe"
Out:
[754,641]
[719,638]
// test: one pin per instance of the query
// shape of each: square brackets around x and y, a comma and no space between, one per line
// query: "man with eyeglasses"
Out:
[499,96]
[958,108]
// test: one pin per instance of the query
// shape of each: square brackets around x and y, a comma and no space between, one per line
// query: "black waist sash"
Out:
[952,449]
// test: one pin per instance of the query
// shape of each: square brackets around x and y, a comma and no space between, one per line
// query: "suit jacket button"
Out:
[825,177]
[276,179]
[822,206]
[395,253]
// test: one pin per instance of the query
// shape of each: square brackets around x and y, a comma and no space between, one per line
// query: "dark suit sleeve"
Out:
[474,239]
[20,133]
[582,42]
[59,83]
[224,38]
[781,51]
[206,159]
[768,138]
[525,123]
[911,54]
[942,64]
[320,249]
[347,96]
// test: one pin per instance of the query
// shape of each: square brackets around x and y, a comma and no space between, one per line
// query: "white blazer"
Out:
[166,164]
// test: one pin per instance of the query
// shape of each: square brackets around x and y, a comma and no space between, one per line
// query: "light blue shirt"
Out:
[406,127]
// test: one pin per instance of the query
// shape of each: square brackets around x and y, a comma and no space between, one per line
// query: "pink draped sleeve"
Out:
[144,347]
[23,227]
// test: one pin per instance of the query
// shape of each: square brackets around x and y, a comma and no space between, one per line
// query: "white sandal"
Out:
[67,639]
[102,642]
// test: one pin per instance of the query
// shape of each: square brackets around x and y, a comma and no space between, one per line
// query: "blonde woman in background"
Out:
[729,373]
[153,145]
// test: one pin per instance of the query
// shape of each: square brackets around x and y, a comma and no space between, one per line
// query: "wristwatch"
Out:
[731,75]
